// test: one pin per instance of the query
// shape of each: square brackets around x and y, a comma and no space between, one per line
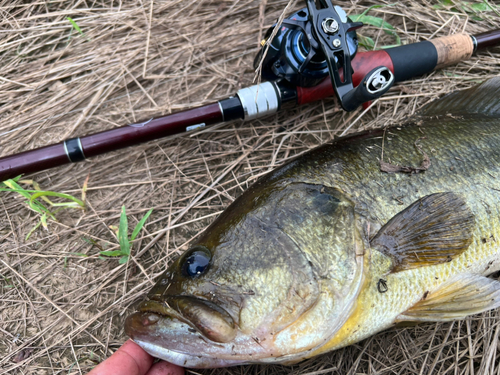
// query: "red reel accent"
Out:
[362,64]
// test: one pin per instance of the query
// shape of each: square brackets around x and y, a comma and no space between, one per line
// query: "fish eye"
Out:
[196,261]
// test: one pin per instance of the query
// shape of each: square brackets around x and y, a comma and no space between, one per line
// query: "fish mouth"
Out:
[193,333]
[172,340]
[211,321]
[176,327]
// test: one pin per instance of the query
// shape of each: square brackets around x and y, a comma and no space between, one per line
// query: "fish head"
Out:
[271,280]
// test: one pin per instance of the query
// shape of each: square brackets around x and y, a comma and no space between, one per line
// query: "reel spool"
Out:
[288,51]
[315,42]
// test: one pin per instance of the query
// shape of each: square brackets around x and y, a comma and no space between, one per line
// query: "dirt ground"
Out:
[62,306]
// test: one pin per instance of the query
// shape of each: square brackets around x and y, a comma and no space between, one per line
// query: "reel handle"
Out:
[330,26]
[375,84]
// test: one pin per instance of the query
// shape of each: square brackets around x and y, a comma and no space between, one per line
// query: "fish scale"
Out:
[467,168]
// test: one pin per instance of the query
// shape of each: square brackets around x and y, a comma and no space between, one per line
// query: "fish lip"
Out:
[207,318]
[161,306]
[158,307]
[185,359]
[167,348]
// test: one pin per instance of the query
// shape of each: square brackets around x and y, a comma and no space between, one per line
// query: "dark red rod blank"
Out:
[33,161]
[109,140]
[125,136]
[487,39]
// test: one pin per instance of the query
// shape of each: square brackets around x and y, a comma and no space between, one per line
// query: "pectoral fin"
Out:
[435,229]
[462,295]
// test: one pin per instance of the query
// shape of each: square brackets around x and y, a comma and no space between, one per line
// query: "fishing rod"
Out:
[313,55]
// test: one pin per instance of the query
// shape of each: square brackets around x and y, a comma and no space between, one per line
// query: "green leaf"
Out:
[75,25]
[15,179]
[41,209]
[123,233]
[13,186]
[366,42]
[60,195]
[123,259]
[377,22]
[111,253]
[77,28]
[480,7]
[376,7]
[139,225]
[32,230]
[80,254]
[389,46]
[36,206]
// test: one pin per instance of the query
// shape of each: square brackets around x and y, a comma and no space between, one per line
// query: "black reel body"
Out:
[287,55]
[316,42]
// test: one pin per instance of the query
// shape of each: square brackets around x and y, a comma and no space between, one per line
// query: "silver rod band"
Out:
[259,100]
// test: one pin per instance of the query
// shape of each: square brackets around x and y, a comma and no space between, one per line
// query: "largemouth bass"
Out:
[340,244]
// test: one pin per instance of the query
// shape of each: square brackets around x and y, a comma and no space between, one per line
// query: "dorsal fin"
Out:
[435,229]
[482,99]
[462,295]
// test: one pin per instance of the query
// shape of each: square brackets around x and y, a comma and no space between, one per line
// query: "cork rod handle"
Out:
[453,49]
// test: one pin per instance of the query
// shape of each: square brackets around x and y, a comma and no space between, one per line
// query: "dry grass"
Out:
[138,58]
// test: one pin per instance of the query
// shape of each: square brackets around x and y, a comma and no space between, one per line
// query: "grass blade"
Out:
[377,22]
[60,195]
[84,189]
[111,253]
[123,233]
[13,186]
[32,230]
[139,225]
[75,25]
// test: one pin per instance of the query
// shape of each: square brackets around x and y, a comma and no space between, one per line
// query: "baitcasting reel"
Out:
[316,42]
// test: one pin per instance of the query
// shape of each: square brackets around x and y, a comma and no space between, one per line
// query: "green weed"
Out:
[368,42]
[472,9]
[123,239]
[7,281]
[77,28]
[38,201]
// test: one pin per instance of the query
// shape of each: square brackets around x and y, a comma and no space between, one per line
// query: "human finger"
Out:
[130,359]
[165,368]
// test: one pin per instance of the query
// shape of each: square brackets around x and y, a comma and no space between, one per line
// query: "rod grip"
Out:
[453,49]
[406,62]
